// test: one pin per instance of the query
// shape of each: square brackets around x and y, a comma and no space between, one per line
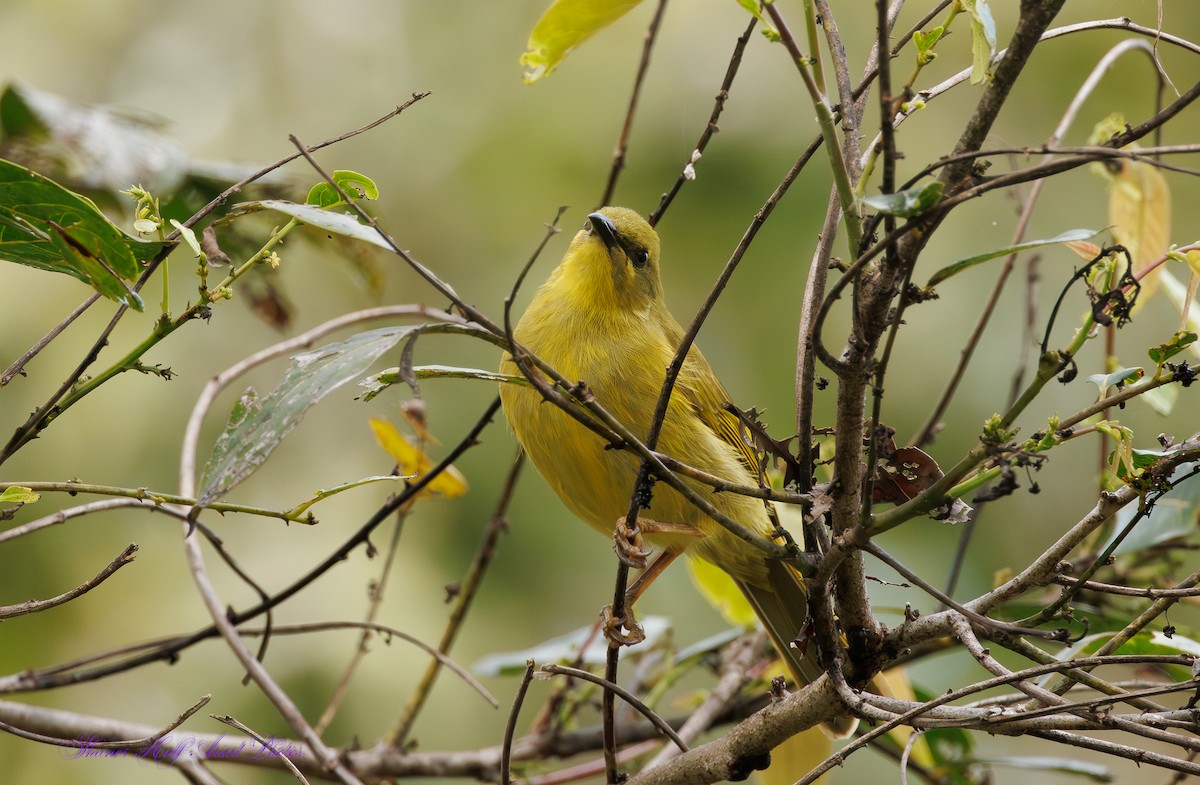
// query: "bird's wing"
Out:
[703,390]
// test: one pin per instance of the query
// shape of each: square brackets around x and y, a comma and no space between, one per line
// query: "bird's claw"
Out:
[629,545]
[623,631]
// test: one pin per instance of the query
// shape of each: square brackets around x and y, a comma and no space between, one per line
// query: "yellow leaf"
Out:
[413,461]
[565,25]
[715,585]
[1139,207]
[1193,261]
[894,683]
[796,757]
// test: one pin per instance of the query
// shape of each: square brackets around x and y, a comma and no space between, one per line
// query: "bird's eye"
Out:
[639,257]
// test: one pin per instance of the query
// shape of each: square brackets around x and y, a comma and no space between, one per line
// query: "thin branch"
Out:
[735,62]
[35,606]
[510,727]
[136,495]
[976,618]
[736,672]
[825,119]
[266,745]
[1148,592]
[108,745]
[624,695]
[269,687]
[850,114]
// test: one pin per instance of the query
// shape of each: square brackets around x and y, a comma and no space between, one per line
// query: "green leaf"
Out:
[338,223]
[983,38]
[565,648]
[18,494]
[907,203]
[1165,351]
[1173,516]
[256,427]
[189,237]
[354,184]
[768,30]
[323,195]
[565,25]
[925,42]
[1119,376]
[44,225]
[1070,236]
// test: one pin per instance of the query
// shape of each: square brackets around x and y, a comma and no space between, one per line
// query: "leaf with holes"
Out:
[257,426]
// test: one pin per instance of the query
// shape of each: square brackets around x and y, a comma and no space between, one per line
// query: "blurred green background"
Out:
[468,178]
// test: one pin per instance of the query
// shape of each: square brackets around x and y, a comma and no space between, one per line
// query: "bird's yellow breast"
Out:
[622,356]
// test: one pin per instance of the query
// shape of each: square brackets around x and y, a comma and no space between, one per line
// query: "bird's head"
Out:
[613,261]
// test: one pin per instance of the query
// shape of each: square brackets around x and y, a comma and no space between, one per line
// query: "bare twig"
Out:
[89,743]
[266,745]
[624,695]
[510,727]
[35,606]
[711,128]
[736,672]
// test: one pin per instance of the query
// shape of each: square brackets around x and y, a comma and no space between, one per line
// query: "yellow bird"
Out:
[601,318]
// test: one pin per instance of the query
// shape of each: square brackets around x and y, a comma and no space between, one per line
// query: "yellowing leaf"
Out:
[1139,206]
[565,25]
[1193,261]
[1139,209]
[796,757]
[722,593]
[1084,250]
[413,461]
[18,494]
[894,683]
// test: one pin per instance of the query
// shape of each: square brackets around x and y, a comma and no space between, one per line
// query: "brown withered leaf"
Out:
[905,474]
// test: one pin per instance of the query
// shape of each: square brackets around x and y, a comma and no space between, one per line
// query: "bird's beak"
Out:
[605,229]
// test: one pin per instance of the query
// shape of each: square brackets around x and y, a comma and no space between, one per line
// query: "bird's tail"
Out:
[782,607]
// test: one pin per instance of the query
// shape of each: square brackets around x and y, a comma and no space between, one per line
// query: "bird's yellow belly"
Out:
[596,483]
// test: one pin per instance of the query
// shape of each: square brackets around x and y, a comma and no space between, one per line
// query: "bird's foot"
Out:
[629,545]
[621,631]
